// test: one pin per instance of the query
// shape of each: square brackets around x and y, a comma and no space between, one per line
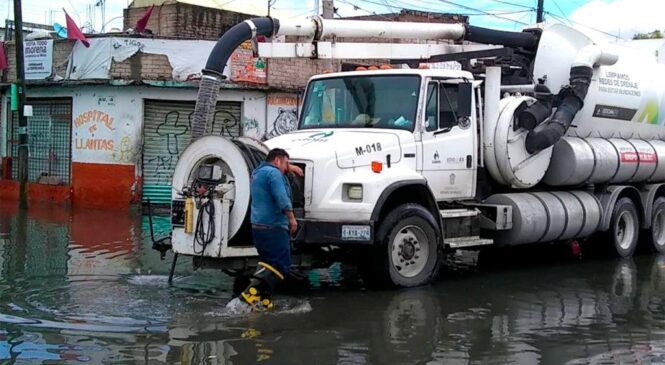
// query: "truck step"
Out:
[458,213]
[469,241]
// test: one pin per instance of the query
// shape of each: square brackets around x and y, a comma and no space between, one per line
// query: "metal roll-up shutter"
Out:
[166,133]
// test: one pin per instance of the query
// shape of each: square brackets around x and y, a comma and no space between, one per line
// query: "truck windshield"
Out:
[378,101]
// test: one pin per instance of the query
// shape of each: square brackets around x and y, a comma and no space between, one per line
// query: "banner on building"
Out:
[38,57]
[245,67]
[186,57]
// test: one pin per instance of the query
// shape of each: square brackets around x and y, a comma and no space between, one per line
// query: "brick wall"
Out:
[143,66]
[292,74]
[61,50]
[179,20]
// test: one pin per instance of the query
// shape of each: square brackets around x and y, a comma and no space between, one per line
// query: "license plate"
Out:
[356,233]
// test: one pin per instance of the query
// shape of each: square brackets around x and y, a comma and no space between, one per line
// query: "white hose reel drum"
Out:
[222,151]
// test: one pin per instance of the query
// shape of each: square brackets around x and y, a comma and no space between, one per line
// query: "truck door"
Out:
[449,140]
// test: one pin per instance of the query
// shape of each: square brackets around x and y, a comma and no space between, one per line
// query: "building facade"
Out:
[107,133]
[109,122]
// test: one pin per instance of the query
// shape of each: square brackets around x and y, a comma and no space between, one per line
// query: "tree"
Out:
[656,34]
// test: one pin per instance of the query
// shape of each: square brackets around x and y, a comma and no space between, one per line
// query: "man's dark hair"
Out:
[276,152]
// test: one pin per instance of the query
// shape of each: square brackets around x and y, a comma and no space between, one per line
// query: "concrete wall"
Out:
[107,129]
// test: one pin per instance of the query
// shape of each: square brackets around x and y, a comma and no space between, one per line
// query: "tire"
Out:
[655,236]
[624,228]
[406,252]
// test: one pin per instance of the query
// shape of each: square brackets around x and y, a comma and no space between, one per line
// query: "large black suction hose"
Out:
[526,40]
[211,80]
[572,100]
[537,112]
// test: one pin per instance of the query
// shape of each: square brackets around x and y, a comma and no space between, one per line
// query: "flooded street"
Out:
[84,286]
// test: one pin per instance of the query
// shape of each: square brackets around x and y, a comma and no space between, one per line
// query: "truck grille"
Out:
[298,192]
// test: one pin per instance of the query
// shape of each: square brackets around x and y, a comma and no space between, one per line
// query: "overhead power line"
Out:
[482,11]
[402,6]
[476,11]
[563,14]
[582,25]
[513,4]
[356,7]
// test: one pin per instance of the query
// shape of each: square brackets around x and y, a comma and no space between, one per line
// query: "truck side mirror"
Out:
[464,93]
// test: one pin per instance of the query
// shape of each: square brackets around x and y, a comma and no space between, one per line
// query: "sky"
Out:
[618,19]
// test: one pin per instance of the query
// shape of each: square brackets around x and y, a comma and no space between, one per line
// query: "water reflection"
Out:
[85,286]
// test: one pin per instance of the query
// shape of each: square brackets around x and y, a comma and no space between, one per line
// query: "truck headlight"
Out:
[352,192]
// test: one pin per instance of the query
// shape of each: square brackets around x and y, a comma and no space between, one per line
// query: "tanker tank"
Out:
[607,123]
[624,100]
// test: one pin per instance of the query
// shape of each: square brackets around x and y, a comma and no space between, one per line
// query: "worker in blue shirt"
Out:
[272,221]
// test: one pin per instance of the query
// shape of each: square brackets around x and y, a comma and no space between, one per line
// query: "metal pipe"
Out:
[318,28]
[490,119]
[528,88]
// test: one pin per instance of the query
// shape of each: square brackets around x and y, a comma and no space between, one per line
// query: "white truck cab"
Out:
[361,132]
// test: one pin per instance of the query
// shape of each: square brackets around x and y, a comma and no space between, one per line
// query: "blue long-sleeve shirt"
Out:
[271,196]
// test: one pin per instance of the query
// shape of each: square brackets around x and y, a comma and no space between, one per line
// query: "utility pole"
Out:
[20,95]
[328,13]
[328,9]
[539,11]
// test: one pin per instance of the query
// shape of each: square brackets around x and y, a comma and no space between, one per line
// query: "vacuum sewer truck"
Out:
[543,135]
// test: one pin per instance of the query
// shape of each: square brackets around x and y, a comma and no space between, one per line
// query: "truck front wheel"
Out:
[407,252]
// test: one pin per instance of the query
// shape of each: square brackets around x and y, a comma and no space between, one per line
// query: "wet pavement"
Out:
[85,286]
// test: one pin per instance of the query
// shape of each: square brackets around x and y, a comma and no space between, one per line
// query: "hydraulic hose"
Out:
[572,100]
[211,80]
[525,40]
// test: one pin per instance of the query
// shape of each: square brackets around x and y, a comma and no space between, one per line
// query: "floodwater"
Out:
[85,286]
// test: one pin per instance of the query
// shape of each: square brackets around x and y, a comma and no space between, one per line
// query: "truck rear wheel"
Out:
[407,251]
[656,235]
[624,227]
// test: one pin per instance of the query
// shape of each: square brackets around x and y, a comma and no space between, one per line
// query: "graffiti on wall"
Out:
[173,135]
[172,128]
[223,123]
[282,114]
[126,152]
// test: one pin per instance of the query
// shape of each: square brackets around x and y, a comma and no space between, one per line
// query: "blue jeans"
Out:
[274,247]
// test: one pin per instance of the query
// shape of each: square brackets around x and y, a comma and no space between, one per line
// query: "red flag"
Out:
[73,32]
[143,22]
[3,57]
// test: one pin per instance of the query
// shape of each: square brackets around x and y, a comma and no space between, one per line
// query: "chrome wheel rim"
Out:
[410,251]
